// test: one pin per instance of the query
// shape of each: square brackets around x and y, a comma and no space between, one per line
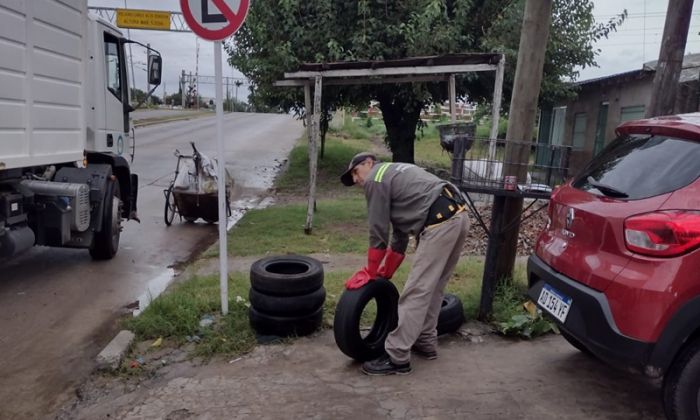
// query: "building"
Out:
[588,122]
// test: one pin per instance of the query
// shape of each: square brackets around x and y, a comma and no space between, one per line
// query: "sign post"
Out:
[215,20]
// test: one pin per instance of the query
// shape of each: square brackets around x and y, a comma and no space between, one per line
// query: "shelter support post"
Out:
[453,98]
[315,131]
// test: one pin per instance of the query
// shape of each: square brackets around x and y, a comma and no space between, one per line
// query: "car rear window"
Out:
[643,166]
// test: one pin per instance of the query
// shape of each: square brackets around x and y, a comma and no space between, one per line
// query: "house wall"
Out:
[618,95]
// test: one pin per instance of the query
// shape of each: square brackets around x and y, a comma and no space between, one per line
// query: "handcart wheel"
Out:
[170,207]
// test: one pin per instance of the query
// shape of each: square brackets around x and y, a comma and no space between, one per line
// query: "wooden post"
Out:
[315,130]
[495,114]
[668,68]
[453,98]
[521,122]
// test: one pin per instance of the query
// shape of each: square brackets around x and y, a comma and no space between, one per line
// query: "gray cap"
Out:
[346,177]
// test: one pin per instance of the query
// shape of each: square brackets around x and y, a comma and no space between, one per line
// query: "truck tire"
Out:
[451,315]
[106,242]
[293,306]
[265,324]
[346,325]
[288,275]
[681,386]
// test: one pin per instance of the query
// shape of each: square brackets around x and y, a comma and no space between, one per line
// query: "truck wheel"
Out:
[106,242]
[681,388]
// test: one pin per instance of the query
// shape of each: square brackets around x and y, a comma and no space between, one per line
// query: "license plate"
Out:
[554,302]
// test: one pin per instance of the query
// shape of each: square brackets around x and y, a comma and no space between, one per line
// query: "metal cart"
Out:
[192,204]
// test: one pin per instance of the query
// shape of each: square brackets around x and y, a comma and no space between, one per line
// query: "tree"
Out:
[346,30]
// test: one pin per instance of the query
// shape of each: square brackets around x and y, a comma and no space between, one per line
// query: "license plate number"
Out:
[554,302]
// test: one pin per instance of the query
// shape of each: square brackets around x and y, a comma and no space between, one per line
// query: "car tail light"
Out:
[663,233]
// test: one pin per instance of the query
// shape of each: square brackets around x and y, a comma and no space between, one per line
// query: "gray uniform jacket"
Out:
[400,195]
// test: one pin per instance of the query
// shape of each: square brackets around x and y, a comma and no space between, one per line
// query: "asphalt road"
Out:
[58,308]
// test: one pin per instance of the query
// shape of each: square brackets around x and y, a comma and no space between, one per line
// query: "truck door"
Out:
[116,134]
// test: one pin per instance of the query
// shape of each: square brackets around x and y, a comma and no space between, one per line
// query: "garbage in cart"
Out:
[193,193]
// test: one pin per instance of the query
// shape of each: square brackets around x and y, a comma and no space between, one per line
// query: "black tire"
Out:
[265,324]
[574,342]
[190,219]
[451,315]
[681,388]
[287,305]
[105,244]
[170,206]
[346,325]
[288,275]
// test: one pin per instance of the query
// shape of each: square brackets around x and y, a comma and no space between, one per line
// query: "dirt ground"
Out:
[477,376]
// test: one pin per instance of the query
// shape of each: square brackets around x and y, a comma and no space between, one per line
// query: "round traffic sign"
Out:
[214,20]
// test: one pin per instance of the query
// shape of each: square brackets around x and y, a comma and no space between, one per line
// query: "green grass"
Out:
[176,314]
[340,225]
[337,154]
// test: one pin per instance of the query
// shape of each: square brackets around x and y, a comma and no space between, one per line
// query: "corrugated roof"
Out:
[436,60]
[690,71]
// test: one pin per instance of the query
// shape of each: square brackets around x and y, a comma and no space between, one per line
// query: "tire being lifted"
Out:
[289,275]
[346,326]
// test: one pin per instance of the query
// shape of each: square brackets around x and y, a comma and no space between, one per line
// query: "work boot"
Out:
[384,366]
[425,354]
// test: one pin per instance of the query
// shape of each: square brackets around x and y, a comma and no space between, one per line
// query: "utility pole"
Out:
[506,212]
[670,63]
[237,83]
[183,87]
[148,84]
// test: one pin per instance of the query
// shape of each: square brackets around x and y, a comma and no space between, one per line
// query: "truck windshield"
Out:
[112,64]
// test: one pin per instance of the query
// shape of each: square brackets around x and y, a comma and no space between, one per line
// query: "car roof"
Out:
[685,126]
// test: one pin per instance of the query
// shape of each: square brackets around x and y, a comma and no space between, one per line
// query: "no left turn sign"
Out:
[214,20]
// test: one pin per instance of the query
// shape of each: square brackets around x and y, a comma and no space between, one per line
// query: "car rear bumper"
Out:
[589,319]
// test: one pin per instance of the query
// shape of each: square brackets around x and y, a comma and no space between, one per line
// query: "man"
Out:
[413,202]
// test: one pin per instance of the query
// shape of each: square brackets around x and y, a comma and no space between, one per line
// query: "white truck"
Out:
[64,128]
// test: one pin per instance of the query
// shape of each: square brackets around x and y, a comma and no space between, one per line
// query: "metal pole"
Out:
[131,59]
[453,98]
[148,84]
[223,252]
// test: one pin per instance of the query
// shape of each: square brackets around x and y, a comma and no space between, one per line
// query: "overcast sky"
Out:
[638,40]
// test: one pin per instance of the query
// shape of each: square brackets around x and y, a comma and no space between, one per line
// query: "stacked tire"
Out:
[286,295]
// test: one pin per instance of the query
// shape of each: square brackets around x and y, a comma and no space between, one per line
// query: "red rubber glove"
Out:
[391,263]
[368,273]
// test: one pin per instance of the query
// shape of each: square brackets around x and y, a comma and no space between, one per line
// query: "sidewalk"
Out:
[492,379]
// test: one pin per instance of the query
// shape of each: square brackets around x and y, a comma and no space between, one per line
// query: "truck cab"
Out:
[65,179]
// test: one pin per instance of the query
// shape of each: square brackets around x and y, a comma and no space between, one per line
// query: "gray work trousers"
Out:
[437,254]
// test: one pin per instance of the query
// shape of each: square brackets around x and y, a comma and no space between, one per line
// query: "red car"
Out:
[618,264]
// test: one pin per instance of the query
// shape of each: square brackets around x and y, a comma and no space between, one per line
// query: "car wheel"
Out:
[348,314]
[287,305]
[451,315]
[288,275]
[266,324]
[681,388]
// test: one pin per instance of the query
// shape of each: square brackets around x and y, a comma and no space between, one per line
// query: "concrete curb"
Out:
[111,356]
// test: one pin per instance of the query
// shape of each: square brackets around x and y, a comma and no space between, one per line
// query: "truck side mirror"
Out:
[154,69]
